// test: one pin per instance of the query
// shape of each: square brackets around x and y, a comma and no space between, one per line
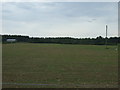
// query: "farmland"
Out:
[28,65]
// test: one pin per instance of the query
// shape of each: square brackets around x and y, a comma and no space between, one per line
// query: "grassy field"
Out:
[59,66]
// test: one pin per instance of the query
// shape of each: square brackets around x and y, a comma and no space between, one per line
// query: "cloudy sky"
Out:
[60,19]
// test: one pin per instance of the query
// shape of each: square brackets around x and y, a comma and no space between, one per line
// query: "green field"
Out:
[28,65]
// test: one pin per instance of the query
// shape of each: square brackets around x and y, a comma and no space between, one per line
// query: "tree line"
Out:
[63,40]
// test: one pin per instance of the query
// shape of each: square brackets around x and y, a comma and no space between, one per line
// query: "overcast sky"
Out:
[60,19]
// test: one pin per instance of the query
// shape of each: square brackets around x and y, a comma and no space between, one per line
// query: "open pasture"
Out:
[27,65]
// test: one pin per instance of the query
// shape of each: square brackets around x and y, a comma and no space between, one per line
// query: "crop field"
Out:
[27,65]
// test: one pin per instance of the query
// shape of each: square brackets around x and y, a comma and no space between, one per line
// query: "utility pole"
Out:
[106,37]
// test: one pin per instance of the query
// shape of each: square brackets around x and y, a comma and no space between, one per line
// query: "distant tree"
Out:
[100,40]
[63,40]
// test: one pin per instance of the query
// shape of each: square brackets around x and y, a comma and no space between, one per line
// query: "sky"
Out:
[60,19]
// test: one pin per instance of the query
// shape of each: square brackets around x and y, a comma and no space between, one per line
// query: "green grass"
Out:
[68,66]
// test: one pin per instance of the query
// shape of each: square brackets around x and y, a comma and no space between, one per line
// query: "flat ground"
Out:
[59,65]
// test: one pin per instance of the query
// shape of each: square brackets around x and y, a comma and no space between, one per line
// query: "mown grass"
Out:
[68,66]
